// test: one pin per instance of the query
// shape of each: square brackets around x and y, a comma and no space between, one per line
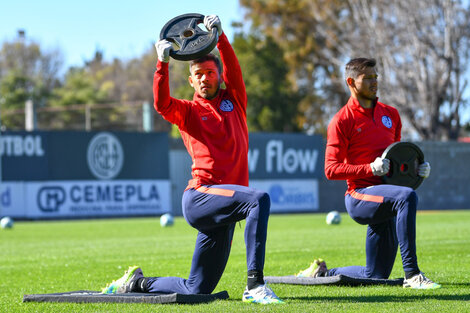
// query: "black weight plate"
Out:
[191,40]
[405,158]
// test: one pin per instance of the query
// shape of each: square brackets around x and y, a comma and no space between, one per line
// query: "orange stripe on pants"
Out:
[364,197]
[216,191]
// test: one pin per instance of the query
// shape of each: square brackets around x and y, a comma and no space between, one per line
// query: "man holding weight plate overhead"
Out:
[357,136]
[214,130]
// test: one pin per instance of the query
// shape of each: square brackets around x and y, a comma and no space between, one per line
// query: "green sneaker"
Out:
[316,269]
[420,281]
[126,282]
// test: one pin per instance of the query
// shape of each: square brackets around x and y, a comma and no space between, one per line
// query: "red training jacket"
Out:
[214,131]
[356,137]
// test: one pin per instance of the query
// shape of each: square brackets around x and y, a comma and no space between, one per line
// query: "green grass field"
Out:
[60,256]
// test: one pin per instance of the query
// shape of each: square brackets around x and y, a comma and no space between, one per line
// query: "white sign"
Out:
[12,199]
[290,195]
[97,198]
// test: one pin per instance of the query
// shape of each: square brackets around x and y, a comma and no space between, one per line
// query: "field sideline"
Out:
[60,256]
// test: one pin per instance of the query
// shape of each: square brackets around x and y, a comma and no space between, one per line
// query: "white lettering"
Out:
[253,156]
[273,150]
[308,160]
[289,161]
[17,146]
[29,145]
[38,146]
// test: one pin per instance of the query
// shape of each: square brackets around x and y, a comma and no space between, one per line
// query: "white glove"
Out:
[380,166]
[213,21]
[163,50]
[424,169]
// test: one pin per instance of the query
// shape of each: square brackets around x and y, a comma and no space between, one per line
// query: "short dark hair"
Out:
[208,57]
[356,67]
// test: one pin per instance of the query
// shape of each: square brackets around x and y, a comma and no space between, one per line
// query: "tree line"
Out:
[292,54]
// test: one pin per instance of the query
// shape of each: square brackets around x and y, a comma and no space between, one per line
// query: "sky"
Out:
[120,29]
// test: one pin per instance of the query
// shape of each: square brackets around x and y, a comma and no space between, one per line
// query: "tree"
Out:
[27,72]
[421,47]
[272,105]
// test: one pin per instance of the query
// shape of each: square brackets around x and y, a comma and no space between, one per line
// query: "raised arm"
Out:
[232,75]
[173,110]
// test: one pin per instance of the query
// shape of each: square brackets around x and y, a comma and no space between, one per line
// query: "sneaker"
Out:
[316,269]
[126,282]
[262,294]
[420,281]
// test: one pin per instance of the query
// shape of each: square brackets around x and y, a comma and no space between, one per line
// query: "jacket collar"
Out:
[354,104]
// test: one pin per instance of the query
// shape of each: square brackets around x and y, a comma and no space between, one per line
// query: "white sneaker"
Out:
[261,294]
[420,281]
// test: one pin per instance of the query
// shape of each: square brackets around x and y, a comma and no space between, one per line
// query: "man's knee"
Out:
[410,197]
[264,202]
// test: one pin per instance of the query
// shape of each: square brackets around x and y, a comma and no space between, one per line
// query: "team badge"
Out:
[387,121]
[226,105]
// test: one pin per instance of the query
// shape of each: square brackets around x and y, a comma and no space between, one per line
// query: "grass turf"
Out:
[59,256]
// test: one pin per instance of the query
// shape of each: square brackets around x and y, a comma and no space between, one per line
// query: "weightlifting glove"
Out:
[163,50]
[211,21]
[380,166]
[424,169]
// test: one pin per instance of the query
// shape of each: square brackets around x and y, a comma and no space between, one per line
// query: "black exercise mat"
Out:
[86,296]
[331,280]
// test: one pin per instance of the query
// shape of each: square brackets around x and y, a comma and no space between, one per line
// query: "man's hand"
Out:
[424,169]
[163,48]
[380,166]
[213,21]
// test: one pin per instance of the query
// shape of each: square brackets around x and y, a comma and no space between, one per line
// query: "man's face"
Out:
[205,79]
[365,85]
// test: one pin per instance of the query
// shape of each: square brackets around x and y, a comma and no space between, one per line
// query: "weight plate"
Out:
[405,157]
[190,40]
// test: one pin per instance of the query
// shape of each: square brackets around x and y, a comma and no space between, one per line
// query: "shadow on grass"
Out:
[456,284]
[372,299]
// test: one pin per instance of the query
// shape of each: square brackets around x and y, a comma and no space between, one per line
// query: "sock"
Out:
[140,285]
[255,278]
[408,275]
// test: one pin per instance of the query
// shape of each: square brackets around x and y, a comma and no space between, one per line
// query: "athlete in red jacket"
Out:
[357,136]
[214,131]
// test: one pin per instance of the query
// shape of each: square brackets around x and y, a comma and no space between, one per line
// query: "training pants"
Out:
[390,213]
[213,211]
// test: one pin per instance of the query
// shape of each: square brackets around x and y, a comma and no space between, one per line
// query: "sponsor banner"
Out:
[12,199]
[290,195]
[274,156]
[97,198]
[71,156]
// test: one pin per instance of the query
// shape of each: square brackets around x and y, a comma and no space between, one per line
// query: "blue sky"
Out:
[121,29]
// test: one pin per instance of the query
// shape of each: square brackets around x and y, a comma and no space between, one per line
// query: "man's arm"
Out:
[232,72]
[336,153]
[173,110]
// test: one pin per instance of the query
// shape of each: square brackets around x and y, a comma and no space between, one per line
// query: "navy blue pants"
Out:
[213,211]
[390,213]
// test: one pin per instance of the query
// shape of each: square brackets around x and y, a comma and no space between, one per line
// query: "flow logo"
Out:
[49,199]
[105,156]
